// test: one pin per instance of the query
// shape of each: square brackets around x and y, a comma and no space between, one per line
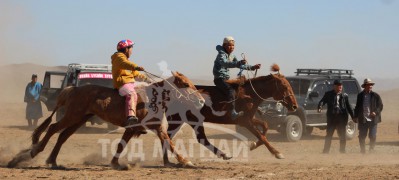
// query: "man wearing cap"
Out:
[33,107]
[338,108]
[225,60]
[368,114]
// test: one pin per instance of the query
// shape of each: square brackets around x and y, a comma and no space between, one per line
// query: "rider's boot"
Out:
[234,113]
[132,119]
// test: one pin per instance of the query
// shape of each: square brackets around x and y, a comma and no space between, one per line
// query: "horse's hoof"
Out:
[120,167]
[169,164]
[252,146]
[22,156]
[280,156]
[56,167]
[226,156]
[12,163]
[189,164]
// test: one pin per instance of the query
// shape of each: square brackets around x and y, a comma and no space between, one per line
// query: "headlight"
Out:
[279,107]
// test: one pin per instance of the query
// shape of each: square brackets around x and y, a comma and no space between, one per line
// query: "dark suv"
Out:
[76,75]
[309,86]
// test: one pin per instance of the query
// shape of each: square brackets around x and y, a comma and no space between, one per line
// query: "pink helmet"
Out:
[124,44]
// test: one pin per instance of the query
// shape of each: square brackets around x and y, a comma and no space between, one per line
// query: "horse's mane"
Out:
[273,68]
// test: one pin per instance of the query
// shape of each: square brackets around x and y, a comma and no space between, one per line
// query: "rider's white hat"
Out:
[228,39]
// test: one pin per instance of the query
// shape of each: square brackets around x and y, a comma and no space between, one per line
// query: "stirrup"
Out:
[131,120]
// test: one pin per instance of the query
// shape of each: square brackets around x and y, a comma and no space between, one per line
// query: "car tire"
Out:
[293,129]
[350,130]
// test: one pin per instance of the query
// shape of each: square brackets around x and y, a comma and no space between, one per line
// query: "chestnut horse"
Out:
[81,103]
[251,93]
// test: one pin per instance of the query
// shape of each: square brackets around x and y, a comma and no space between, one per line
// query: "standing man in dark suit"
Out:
[368,114]
[338,108]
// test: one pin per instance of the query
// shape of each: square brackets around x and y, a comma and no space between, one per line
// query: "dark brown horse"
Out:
[81,103]
[251,93]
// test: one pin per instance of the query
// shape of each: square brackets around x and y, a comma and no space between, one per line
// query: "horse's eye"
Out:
[186,84]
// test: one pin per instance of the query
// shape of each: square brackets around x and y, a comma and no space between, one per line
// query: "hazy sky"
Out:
[362,35]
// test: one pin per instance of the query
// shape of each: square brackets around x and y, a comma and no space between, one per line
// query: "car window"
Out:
[350,87]
[321,87]
[299,86]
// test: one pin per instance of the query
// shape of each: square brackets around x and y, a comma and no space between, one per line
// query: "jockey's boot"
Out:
[235,114]
[132,121]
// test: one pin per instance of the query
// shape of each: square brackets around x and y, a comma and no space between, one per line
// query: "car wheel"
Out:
[351,129]
[309,130]
[293,129]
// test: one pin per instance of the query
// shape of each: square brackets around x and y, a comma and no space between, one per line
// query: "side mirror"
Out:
[314,94]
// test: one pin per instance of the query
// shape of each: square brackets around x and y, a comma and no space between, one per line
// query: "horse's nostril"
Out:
[294,107]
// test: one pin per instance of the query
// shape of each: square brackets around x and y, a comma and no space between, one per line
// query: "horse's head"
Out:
[273,85]
[188,91]
[283,91]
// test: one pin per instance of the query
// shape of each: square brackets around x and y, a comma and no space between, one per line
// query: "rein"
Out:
[277,89]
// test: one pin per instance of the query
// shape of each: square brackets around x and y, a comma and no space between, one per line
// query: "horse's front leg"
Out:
[165,140]
[174,125]
[129,132]
[262,138]
[264,126]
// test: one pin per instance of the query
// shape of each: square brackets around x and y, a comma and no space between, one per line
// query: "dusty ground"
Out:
[86,154]
[82,156]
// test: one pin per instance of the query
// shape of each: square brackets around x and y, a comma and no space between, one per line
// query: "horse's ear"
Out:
[173,73]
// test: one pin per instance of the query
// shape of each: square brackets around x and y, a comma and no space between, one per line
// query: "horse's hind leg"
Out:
[65,134]
[55,127]
[125,139]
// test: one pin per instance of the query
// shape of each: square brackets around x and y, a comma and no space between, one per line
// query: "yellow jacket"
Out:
[123,70]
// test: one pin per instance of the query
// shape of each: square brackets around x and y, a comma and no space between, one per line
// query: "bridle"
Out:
[283,100]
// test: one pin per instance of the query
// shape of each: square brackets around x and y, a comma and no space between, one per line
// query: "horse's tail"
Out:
[39,130]
[61,101]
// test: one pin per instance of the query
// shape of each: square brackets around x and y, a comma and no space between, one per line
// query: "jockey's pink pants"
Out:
[130,94]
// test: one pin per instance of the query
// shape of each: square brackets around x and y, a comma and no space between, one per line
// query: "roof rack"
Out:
[90,67]
[328,72]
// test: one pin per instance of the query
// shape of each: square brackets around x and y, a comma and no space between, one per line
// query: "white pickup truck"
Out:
[76,75]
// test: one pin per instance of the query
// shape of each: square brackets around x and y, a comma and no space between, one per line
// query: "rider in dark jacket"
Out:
[225,60]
